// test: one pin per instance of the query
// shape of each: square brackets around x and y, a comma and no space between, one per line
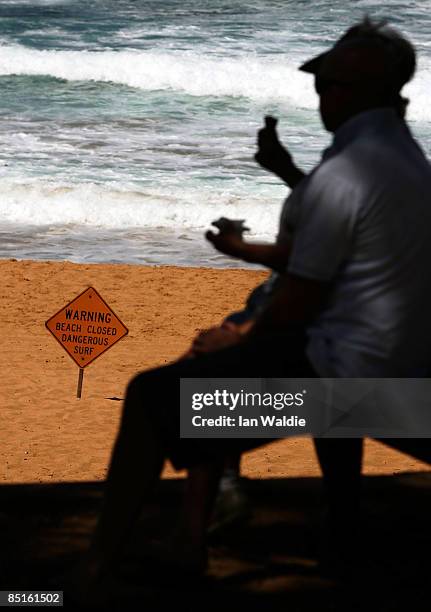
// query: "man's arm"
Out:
[272,256]
[272,156]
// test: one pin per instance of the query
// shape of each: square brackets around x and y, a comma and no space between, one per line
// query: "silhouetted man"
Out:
[352,301]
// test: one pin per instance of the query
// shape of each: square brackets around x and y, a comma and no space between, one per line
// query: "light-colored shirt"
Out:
[362,223]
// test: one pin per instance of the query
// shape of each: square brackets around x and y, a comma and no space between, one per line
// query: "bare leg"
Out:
[231,504]
[199,496]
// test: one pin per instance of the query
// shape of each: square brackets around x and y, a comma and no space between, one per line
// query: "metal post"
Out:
[80,379]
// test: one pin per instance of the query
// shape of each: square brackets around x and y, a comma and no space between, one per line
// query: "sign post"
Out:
[80,380]
[86,327]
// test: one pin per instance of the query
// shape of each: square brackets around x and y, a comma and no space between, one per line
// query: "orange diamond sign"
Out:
[86,327]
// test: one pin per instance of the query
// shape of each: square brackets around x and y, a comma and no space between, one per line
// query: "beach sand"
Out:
[48,435]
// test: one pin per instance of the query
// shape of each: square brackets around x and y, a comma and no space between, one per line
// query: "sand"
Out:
[48,435]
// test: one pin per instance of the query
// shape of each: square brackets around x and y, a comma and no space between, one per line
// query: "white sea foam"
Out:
[47,203]
[418,91]
[250,76]
[255,77]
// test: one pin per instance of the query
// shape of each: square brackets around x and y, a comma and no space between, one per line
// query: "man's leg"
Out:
[189,545]
[340,461]
[231,505]
[135,467]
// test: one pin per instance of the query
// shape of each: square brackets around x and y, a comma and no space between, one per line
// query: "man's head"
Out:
[365,69]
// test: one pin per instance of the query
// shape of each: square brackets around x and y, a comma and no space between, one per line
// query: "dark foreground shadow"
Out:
[268,563]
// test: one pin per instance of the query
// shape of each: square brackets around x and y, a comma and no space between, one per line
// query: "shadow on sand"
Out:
[266,564]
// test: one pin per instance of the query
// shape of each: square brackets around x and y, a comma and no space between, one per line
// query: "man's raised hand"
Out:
[271,154]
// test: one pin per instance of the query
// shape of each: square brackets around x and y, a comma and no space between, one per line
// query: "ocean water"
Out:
[127,126]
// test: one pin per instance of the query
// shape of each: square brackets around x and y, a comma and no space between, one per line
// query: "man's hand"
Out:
[216,338]
[272,156]
[227,242]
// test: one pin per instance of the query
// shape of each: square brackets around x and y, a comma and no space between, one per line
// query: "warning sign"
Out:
[86,327]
